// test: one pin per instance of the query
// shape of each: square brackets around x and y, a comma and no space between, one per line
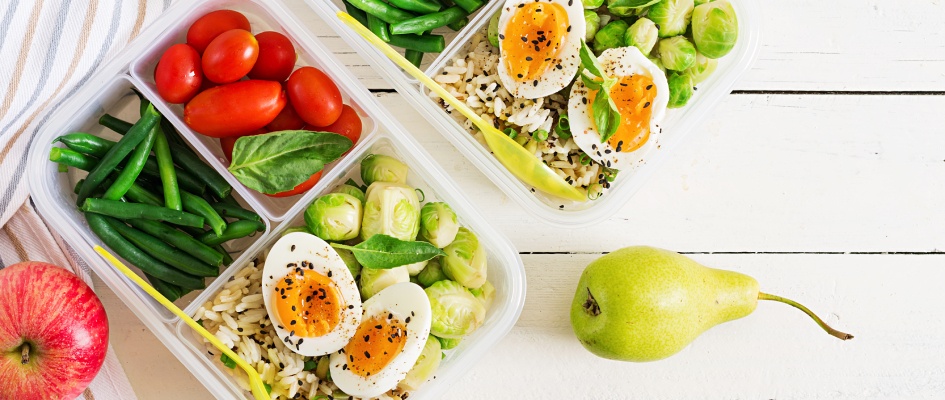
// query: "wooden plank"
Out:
[764,173]
[806,45]
[774,353]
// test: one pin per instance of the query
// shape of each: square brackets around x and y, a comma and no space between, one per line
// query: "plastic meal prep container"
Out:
[110,90]
[675,126]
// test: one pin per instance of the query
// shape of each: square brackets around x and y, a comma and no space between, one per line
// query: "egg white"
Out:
[289,253]
[618,62]
[552,79]
[403,300]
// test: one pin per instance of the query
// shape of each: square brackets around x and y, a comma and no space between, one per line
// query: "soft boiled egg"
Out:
[539,44]
[310,295]
[391,336]
[641,95]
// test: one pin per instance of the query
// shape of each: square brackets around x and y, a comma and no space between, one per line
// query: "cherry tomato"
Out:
[211,25]
[287,120]
[347,125]
[235,109]
[276,57]
[178,75]
[230,56]
[227,143]
[314,96]
[301,188]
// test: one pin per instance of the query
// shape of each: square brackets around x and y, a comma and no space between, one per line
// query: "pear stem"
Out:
[25,354]
[799,306]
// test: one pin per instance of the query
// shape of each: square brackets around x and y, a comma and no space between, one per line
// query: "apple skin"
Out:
[65,325]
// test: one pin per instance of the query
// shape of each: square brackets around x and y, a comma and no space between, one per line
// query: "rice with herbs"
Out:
[237,316]
[472,77]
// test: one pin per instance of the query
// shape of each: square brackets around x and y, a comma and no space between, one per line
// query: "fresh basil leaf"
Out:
[614,115]
[601,110]
[590,82]
[279,161]
[589,61]
[385,252]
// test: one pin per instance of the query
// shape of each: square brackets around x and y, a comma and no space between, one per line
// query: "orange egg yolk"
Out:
[377,341]
[633,95]
[308,303]
[532,39]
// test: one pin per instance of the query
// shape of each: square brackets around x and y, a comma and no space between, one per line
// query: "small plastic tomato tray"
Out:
[110,91]
[555,211]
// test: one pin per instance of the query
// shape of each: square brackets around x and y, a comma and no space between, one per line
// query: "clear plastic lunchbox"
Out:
[555,211]
[110,91]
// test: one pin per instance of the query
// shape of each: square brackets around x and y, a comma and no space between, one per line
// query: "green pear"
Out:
[646,304]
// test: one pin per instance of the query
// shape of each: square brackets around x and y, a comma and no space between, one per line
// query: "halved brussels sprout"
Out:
[592,4]
[659,63]
[680,90]
[438,224]
[643,35]
[610,36]
[350,261]
[425,366]
[485,294]
[456,312]
[381,168]
[672,16]
[715,28]
[392,209]
[431,273]
[701,2]
[677,53]
[701,69]
[628,8]
[448,344]
[374,280]
[334,217]
[415,268]
[350,190]
[592,23]
[465,260]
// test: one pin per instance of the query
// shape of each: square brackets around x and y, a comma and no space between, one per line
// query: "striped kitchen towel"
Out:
[49,48]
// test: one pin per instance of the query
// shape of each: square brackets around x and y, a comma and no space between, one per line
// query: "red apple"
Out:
[53,333]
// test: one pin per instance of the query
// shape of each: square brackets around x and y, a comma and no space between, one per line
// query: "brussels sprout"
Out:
[465,260]
[381,168]
[493,31]
[431,273]
[680,90]
[628,8]
[485,294]
[392,209]
[592,23]
[334,217]
[659,63]
[701,2]
[374,280]
[438,224]
[672,16]
[352,263]
[610,36]
[701,69]
[415,268]
[350,190]
[592,5]
[714,28]
[677,53]
[448,344]
[642,35]
[456,312]
[425,366]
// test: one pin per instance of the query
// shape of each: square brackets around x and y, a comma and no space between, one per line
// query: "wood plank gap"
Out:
[843,92]
[383,90]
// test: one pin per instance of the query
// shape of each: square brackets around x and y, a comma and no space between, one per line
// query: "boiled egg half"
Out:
[393,331]
[641,95]
[539,44]
[310,295]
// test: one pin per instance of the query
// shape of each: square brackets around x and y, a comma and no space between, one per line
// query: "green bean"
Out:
[166,169]
[469,5]
[227,210]
[102,227]
[418,6]
[138,194]
[422,43]
[129,173]
[116,154]
[115,124]
[181,240]
[227,259]
[379,27]
[72,158]
[415,57]
[169,291]
[162,252]
[97,193]
[428,22]
[121,210]
[459,24]
[382,10]
[197,205]
[355,12]
[235,230]
[190,162]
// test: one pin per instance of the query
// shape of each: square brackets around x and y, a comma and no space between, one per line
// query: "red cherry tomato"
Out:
[347,125]
[314,96]
[227,143]
[301,188]
[287,120]
[178,75]
[276,57]
[211,25]
[235,109]
[230,56]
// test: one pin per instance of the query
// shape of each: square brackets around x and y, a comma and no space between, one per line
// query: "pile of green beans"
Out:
[408,23]
[154,202]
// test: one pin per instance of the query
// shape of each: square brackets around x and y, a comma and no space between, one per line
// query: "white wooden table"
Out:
[823,176]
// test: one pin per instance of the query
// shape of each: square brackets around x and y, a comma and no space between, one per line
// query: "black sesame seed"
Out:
[366,354]
[528,58]
[329,274]
[501,36]
[646,105]
[292,322]
[648,87]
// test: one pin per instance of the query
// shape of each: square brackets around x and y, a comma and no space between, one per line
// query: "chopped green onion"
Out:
[421,194]
[309,365]
[584,159]
[268,387]
[511,133]
[563,127]
[594,191]
[227,361]
[540,135]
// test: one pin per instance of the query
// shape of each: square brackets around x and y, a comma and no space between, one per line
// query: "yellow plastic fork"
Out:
[255,381]
[513,156]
